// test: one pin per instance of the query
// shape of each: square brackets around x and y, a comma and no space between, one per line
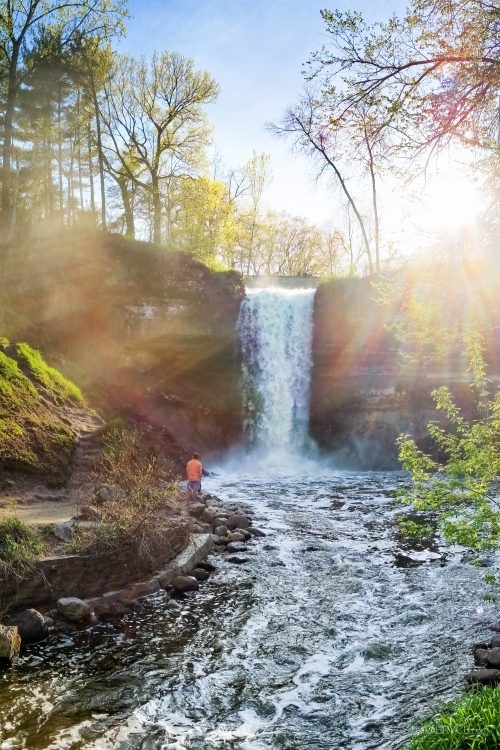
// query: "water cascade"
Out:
[276,328]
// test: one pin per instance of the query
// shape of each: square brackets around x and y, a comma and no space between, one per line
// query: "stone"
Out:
[10,642]
[495,626]
[200,574]
[236,547]
[208,514]
[221,531]
[31,624]
[236,536]
[63,531]
[483,676]
[480,655]
[256,532]
[74,609]
[237,560]
[182,584]
[493,656]
[238,521]
[207,566]
[495,640]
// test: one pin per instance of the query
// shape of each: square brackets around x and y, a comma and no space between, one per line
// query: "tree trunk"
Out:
[99,156]
[8,129]
[155,188]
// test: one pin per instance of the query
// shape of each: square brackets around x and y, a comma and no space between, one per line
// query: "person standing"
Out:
[194,470]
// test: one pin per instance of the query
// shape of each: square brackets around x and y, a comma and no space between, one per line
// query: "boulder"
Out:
[74,609]
[200,574]
[10,642]
[31,625]
[236,547]
[483,676]
[182,584]
[63,531]
[238,521]
[493,656]
[256,532]
[237,560]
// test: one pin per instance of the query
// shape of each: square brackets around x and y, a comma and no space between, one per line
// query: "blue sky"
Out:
[254,50]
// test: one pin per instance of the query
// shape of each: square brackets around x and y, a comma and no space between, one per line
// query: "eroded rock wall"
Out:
[365,391]
[146,333]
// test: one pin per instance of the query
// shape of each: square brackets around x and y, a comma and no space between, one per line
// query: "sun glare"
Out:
[449,202]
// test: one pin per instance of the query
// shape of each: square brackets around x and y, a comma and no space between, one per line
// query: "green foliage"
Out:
[470,723]
[461,486]
[62,388]
[140,493]
[19,543]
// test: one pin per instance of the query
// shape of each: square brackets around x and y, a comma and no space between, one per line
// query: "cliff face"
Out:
[145,333]
[365,391]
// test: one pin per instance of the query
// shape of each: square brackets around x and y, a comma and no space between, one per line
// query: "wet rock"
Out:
[238,521]
[10,642]
[74,609]
[207,566]
[483,676]
[237,560]
[182,584]
[236,547]
[256,532]
[493,656]
[495,626]
[31,624]
[480,655]
[200,574]
[495,640]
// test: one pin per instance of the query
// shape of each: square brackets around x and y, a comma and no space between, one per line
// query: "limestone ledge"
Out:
[198,547]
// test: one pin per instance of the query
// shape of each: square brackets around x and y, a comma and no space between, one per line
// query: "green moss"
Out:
[33,436]
[48,376]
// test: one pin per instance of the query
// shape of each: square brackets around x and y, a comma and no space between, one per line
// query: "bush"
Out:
[18,541]
[472,722]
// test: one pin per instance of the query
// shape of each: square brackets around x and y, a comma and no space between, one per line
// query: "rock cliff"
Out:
[146,333]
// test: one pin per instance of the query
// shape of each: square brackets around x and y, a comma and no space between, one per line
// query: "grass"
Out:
[472,722]
[20,547]
[34,434]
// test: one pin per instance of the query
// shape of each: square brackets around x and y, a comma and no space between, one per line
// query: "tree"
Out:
[436,71]
[155,112]
[20,22]
[317,132]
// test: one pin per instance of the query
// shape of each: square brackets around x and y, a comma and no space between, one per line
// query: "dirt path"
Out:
[32,502]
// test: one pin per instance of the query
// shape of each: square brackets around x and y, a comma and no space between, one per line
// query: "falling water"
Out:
[276,328]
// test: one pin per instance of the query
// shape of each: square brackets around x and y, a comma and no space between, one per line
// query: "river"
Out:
[335,632]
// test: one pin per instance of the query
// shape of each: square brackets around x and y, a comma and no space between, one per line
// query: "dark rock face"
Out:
[148,334]
[362,394]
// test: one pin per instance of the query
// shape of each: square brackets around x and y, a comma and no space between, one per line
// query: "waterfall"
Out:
[275,327]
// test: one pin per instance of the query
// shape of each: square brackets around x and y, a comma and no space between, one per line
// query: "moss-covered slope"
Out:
[35,436]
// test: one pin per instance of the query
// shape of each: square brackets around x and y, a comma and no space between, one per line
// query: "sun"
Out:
[450,202]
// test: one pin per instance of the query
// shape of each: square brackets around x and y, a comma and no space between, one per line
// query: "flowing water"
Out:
[333,634]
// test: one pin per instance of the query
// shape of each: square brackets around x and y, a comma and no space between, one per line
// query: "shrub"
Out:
[20,545]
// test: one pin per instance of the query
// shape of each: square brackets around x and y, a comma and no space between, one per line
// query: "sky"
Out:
[254,49]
